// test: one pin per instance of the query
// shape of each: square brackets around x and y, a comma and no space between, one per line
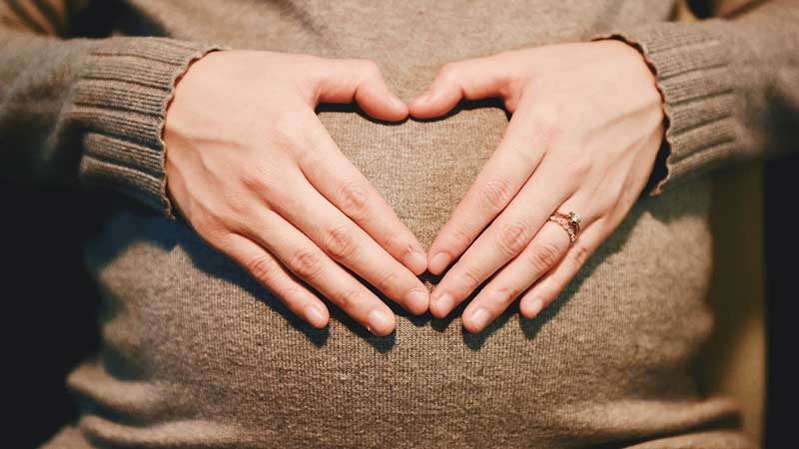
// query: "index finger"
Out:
[335,177]
[516,158]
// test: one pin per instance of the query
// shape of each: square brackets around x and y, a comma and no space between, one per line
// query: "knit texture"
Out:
[196,354]
[91,110]
[121,98]
[716,94]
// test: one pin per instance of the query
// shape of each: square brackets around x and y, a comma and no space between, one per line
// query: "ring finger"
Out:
[544,252]
[505,238]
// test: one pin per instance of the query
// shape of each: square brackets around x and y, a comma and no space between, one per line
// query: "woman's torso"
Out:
[196,354]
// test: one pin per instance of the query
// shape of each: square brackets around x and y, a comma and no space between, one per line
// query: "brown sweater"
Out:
[196,354]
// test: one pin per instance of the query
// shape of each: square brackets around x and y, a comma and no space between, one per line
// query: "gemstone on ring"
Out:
[569,222]
[575,219]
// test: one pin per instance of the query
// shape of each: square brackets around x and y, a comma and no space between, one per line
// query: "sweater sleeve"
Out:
[79,110]
[730,86]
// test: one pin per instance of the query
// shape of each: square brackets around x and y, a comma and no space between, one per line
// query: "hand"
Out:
[253,170]
[585,130]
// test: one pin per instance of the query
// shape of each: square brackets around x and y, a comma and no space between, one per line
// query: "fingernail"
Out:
[314,315]
[480,318]
[379,322]
[534,306]
[417,260]
[444,303]
[417,301]
[439,262]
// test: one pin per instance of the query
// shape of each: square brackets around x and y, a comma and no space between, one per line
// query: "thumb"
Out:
[471,79]
[345,80]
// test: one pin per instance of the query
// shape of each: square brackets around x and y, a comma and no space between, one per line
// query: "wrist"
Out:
[644,68]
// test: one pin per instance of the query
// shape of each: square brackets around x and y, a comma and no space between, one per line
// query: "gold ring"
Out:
[569,222]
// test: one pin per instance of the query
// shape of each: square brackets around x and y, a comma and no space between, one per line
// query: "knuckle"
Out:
[580,167]
[353,199]
[387,281]
[203,223]
[268,193]
[397,243]
[459,237]
[581,255]
[252,179]
[495,194]
[529,155]
[547,123]
[346,298]
[512,238]
[306,264]
[283,140]
[262,268]
[339,242]
[470,278]
[238,205]
[543,256]
[208,225]
[506,294]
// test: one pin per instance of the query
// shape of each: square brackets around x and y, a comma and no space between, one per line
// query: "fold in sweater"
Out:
[196,354]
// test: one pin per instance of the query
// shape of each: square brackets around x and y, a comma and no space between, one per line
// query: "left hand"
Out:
[586,126]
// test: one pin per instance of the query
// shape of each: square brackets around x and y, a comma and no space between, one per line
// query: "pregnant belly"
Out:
[196,354]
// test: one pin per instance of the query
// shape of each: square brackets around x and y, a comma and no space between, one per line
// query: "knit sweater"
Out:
[197,354]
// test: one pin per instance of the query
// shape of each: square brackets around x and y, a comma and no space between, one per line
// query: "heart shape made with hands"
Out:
[258,176]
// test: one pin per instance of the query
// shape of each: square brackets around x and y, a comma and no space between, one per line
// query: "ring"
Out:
[569,222]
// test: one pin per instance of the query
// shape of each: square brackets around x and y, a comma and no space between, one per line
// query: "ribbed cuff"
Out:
[692,70]
[120,100]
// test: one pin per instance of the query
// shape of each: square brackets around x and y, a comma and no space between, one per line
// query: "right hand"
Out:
[253,170]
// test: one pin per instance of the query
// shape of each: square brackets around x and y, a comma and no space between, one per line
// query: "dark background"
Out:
[781,241]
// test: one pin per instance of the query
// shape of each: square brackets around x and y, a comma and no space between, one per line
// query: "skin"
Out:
[586,126]
[255,173]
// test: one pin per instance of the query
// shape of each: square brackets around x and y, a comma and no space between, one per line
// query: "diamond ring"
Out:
[569,222]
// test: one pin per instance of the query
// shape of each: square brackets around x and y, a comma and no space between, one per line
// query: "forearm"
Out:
[88,110]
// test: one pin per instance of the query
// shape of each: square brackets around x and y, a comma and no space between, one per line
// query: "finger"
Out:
[269,272]
[547,289]
[548,246]
[346,80]
[303,258]
[348,244]
[505,238]
[335,177]
[471,79]
[517,156]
